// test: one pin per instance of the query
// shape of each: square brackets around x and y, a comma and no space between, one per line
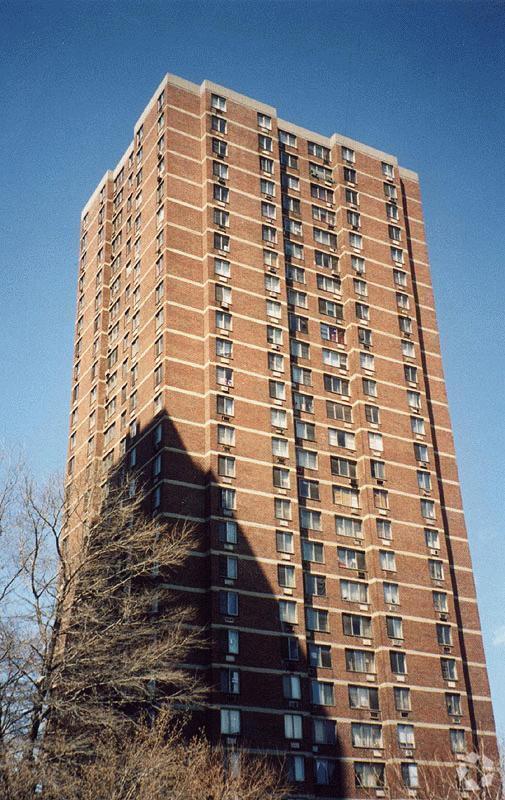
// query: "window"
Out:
[306,458]
[424,480]
[390,191]
[408,349]
[318,150]
[387,560]
[278,417]
[230,681]
[218,124]
[357,625]
[354,591]
[354,219]
[364,337]
[338,410]
[226,466]
[295,274]
[444,635]
[288,160]
[394,627]
[286,576]
[342,467]
[350,175]
[224,348]
[457,739]
[325,260]
[284,542]
[336,385]
[367,361]
[417,425]
[344,496]
[324,237]
[387,170]
[221,242]
[321,193]
[292,726]
[230,721]
[327,284]
[288,139]
[436,569]
[291,182]
[340,438]
[282,508]
[228,499]
[291,687]
[287,611]
[369,775]
[218,102]
[220,170]
[363,697]
[297,298]
[319,172]
[321,693]
[319,655]
[291,204]
[351,559]
[228,532]
[265,142]
[432,538]
[267,187]
[410,775]
[305,430]
[266,165]
[330,308]
[281,477]
[398,662]
[366,735]
[372,415]
[222,194]
[448,667]
[410,373]
[299,349]
[301,375]
[359,661]
[313,551]
[224,376]
[303,402]
[225,405]
[274,335]
[277,390]
[383,527]
[323,215]
[392,211]
[402,698]
[375,441]
[428,509]
[453,704]
[324,731]
[348,155]
[347,526]
[274,309]
[369,387]
[400,277]
[296,768]
[310,520]
[308,489]
[397,254]
[381,498]
[356,241]
[315,585]
[317,619]
[228,603]
[222,267]
[421,452]
[440,602]
[414,400]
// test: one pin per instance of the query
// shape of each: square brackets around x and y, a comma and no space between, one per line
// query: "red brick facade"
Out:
[234,258]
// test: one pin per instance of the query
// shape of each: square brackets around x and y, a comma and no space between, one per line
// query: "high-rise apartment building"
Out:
[256,337]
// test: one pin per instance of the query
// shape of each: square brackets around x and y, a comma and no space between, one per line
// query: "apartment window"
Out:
[324,237]
[221,242]
[448,667]
[432,538]
[222,195]
[306,458]
[351,559]
[266,165]
[321,193]
[354,591]
[330,333]
[284,542]
[402,698]
[326,284]
[323,215]
[264,121]
[317,619]
[321,693]
[410,373]
[457,739]
[268,210]
[338,411]
[344,496]
[318,150]
[336,385]
[398,662]
[230,681]
[267,187]
[282,508]
[220,170]
[281,478]
[293,726]
[296,768]
[228,532]
[391,593]
[315,585]
[366,735]
[291,204]
[278,417]
[226,466]
[303,402]
[410,775]
[424,480]
[397,254]
[381,498]
[394,627]
[288,160]
[287,611]
[341,438]
[225,405]
[313,552]
[230,721]
[365,337]
[224,348]
[392,211]
[367,361]
[384,530]
[324,731]
[346,526]
[299,349]
[417,425]
[375,441]
[218,124]
[369,775]
[440,602]
[342,467]
[357,625]
[436,569]
[228,603]
[325,260]
[414,400]
[219,147]
[453,705]
[330,308]
[320,655]
[359,661]
[228,567]
[305,430]
[310,520]
[400,277]
[348,155]
[308,489]
[363,697]
[286,576]
[277,390]
[272,283]
[387,560]
[291,182]
[274,335]
[444,635]
[291,687]
[295,274]
[408,349]
[228,499]
[224,376]
[223,320]
[231,642]
[217,102]
[428,509]
[274,309]
[320,172]
[288,139]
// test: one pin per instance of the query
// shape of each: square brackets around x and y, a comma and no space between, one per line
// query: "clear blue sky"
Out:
[424,81]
